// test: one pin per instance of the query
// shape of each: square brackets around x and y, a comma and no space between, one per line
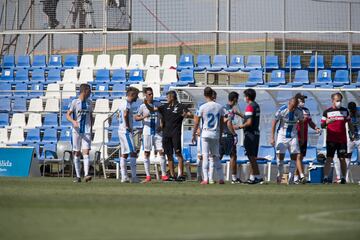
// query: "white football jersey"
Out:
[123,107]
[288,120]
[151,123]
[210,114]
[81,112]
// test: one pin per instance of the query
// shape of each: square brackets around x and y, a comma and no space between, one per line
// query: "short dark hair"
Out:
[131,89]
[250,93]
[337,94]
[352,106]
[208,92]
[300,96]
[83,87]
[173,93]
[147,89]
[233,96]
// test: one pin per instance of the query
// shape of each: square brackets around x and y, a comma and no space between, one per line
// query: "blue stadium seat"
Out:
[236,63]
[114,140]
[55,61]
[102,76]
[301,78]
[64,122]
[48,151]
[241,156]
[39,61]
[118,90]
[54,75]
[186,62]
[341,78]
[38,75]
[65,104]
[119,75]
[101,91]
[324,77]
[36,147]
[19,104]
[65,135]
[35,88]
[277,78]
[5,104]
[70,61]
[50,120]
[203,63]
[253,62]
[339,62]
[219,64]
[355,62]
[114,123]
[7,75]
[23,62]
[33,136]
[5,90]
[50,136]
[22,75]
[186,77]
[311,155]
[136,76]
[255,77]
[271,63]
[23,87]
[4,120]
[357,84]
[295,62]
[8,61]
[266,154]
[320,62]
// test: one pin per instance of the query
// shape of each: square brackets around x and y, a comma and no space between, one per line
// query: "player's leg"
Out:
[125,151]
[296,158]
[303,149]
[199,160]
[132,158]
[147,147]
[342,151]
[330,152]
[206,172]
[281,147]
[350,148]
[251,144]
[176,140]
[214,153]
[169,151]
[86,146]
[161,156]
[76,142]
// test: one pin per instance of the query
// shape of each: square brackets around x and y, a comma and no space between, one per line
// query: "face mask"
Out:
[337,104]
[301,104]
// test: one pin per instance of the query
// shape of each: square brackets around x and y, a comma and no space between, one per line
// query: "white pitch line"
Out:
[325,217]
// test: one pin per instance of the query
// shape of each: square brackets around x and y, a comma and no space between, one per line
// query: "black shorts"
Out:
[340,148]
[171,144]
[227,146]
[303,148]
[251,144]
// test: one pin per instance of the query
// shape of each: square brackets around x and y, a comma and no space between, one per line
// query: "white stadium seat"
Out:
[152,76]
[136,61]
[34,121]
[16,135]
[87,61]
[98,122]
[169,61]
[52,91]
[86,75]
[18,120]
[98,136]
[102,106]
[119,61]
[36,105]
[52,105]
[103,61]
[169,76]
[152,61]
[115,104]
[156,89]
[69,90]
[70,76]
[3,136]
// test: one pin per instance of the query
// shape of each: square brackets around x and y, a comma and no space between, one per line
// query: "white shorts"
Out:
[210,147]
[126,143]
[148,141]
[81,141]
[352,145]
[199,152]
[290,144]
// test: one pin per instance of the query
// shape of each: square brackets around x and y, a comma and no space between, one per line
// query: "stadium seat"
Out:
[255,77]
[156,89]
[5,90]
[341,78]
[87,62]
[64,123]
[86,76]
[8,62]
[301,78]
[50,136]
[311,155]
[186,77]
[320,62]
[186,62]
[5,104]
[267,156]
[36,90]
[22,75]
[70,76]
[50,120]
[4,120]
[16,136]
[52,91]
[101,91]
[54,76]
[114,140]
[219,63]
[21,90]
[23,62]
[38,75]
[118,90]
[119,62]
[357,84]
[7,75]
[52,105]
[55,61]
[136,76]
[65,104]
[293,61]
[19,104]
[102,106]
[119,76]
[68,91]
[324,77]
[169,77]
[136,62]
[34,121]
[99,136]
[203,63]
[65,135]
[169,62]
[99,120]
[253,62]
[36,105]
[102,76]
[277,78]
[339,62]
[355,62]
[152,76]
[3,136]
[49,152]
[33,136]
[18,120]
[152,61]
[70,61]
[115,104]
[271,63]
[39,61]
[236,63]
[103,61]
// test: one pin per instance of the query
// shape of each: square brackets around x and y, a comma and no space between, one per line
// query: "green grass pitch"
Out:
[53,208]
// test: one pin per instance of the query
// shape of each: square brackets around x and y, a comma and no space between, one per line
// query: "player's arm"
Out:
[196,127]
[140,115]
[70,119]
[313,126]
[302,136]
[351,127]
[127,120]
[273,127]
[324,120]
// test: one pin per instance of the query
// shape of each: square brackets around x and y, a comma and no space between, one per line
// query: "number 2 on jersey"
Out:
[213,120]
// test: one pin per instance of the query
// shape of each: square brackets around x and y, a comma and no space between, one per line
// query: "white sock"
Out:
[123,169]
[252,177]
[77,166]
[292,169]
[198,167]
[337,167]
[147,166]
[302,175]
[133,167]
[162,165]
[296,177]
[205,168]
[219,168]
[86,164]
[233,177]
[211,169]
[280,166]
[348,161]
